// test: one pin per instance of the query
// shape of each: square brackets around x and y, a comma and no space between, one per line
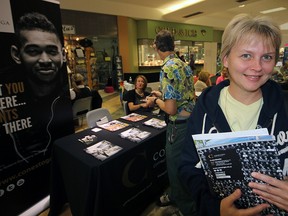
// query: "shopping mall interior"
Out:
[110,43]
[129,31]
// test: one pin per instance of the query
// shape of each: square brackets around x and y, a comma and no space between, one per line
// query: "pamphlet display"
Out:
[89,139]
[103,150]
[135,134]
[156,123]
[228,160]
[134,117]
[113,125]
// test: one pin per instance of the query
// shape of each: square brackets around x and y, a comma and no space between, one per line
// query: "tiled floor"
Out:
[111,101]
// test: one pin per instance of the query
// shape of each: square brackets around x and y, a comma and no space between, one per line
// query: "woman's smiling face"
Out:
[140,83]
[250,62]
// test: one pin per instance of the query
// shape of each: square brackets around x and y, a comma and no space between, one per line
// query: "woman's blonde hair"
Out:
[77,79]
[244,27]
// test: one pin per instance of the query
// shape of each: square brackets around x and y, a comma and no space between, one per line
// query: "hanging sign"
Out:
[68,29]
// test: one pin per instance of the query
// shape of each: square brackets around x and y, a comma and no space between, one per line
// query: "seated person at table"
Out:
[96,99]
[136,98]
[79,90]
[202,83]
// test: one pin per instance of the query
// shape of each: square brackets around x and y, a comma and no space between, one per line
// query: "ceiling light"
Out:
[273,10]
[193,14]
[284,26]
[178,6]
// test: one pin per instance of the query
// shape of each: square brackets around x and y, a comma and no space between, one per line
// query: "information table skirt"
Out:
[123,184]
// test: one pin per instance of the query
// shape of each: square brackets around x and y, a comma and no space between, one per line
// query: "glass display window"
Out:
[148,57]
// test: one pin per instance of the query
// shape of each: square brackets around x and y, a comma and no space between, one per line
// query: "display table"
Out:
[123,184]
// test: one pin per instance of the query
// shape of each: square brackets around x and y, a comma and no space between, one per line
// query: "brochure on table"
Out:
[103,150]
[134,117]
[113,125]
[229,158]
[89,139]
[135,134]
[156,123]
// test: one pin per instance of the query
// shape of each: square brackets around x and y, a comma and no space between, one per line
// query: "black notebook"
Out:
[229,158]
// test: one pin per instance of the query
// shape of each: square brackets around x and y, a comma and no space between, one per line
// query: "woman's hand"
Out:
[275,191]
[227,207]
[144,105]
[156,93]
[150,101]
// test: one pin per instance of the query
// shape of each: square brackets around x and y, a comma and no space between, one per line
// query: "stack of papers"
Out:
[89,139]
[135,134]
[113,125]
[156,123]
[134,117]
[103,149]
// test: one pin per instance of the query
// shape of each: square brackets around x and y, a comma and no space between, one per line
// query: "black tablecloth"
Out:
[123,184]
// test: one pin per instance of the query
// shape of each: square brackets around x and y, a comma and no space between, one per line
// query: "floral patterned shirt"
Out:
[176,82]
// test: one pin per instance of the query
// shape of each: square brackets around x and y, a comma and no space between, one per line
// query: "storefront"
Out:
[91,43]
[189,39]
[114,36]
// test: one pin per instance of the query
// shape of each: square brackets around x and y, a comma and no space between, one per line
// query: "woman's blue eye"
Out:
[246,56]
[267,57]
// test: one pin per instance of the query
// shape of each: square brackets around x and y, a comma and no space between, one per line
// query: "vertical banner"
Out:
[35,107]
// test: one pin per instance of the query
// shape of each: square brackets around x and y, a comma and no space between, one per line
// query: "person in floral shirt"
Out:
[176,99]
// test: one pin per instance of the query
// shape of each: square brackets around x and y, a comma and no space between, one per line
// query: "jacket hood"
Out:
[208,100]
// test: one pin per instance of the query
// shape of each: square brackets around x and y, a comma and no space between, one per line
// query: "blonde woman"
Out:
[249,99]
[79,89]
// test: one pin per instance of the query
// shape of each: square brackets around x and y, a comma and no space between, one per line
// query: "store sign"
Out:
[68,29]
[179,32]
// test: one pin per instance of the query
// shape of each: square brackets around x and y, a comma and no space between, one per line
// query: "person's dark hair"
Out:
[34,21]
[164,41]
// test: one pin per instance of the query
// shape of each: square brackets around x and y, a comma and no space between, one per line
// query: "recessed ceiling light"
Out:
[273,10]
[178,6]
[193,14]
[284,26]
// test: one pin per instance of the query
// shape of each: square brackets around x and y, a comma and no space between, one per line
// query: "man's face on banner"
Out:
[41,54]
